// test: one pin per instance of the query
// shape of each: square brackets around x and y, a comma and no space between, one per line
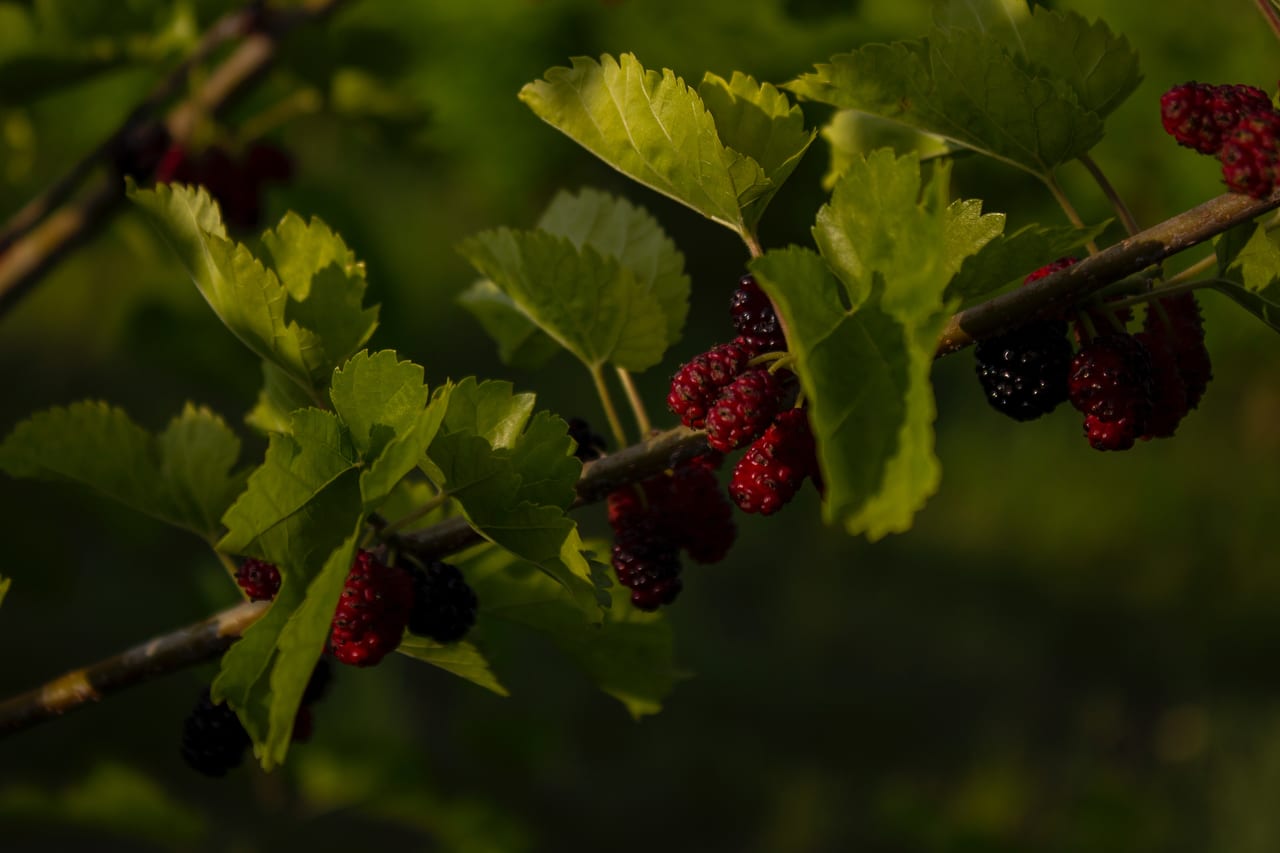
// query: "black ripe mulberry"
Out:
[1024,371]
[444,606]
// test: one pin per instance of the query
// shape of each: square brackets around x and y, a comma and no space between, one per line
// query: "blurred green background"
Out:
[1070,651]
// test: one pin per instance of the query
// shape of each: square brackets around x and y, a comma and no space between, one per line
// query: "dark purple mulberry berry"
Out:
[213,740]
[1110,382]
[754,318]
[1024,372]
[444,605]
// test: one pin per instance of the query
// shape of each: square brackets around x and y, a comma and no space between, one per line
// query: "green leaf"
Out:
[489,409]
[183,476]
[629,234]
[968,229]
[1008,258]
[966,87]
[279,398]
[543,457]
[383,403]
[520,342]
[1251,273]
[590,304]
[629,655]
[652,127]
[1100,67]
[462,659]
[298,466]
[851,134]
[305,317]
[326,287]
[758,121]
[865,341]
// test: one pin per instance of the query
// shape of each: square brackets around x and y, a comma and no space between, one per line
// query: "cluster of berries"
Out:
[1127,386]
[214,741]
[379,602]
[682,508]
[738,403]
[1235,123]
[235,183]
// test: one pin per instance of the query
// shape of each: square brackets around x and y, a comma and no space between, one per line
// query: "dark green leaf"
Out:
[462,659]
[520,342]
[1010,257]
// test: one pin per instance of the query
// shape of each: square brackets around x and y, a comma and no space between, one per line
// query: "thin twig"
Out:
[1273,17]
[1117,203]
[44,231]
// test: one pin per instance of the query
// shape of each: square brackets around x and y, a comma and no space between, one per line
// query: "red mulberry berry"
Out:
[754,318]
[692,508]
[646,560]
[1024,371]
[1199,115]
[372,612]
[698,382]
[1049,269]
[1250,151]
[1110,382]
[743,410]
[259,579]
[444,605]
[1169,392]
[1187,330]
[775,466]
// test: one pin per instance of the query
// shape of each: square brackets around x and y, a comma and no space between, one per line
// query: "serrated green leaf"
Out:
[865,341]
[1228,245]
[618,229]
[1251,276]
[589,303]
[279,398]
[969,230]
[520,342]
[487,486]
[307,324]
[543,457]
[1099,66]
[652,127]
[489,409]
[377,397]
[299,465]
[462,659]
[1010,257]
[966,87]
[629,655]
[183,476]
[852,134]
[326,287]
[758,121]
[300,645]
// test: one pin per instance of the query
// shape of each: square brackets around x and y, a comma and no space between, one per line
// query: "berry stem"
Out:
[409,518]
[1067,207]
[610,411]
[1122,209]
[1269,12]
[1170,289]
[637,403]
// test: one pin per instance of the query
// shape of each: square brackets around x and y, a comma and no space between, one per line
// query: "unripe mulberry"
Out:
[743,410]
[755,319]
[699,381]
[444,605]
[372,612]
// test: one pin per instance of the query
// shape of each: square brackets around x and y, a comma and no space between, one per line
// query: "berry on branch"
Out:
[774,468]
[1110,382]
[1024,371]
[372,612]
[213,740]
[744,409]
[444,605]
[698,381]
[259,579]
[754,318]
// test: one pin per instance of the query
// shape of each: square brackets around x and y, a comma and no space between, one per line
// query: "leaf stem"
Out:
[1170,289]
[752,241]
[1067,208]
[637,404]
[409,518]
[610,411]
[1273,17]
[1121,209]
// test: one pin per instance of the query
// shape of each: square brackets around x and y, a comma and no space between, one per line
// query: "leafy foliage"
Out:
[1009,92]
[183,476]
[462,659]
[302,312]
[864,338]
[654,128]
[1249,265]
[1008,258]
